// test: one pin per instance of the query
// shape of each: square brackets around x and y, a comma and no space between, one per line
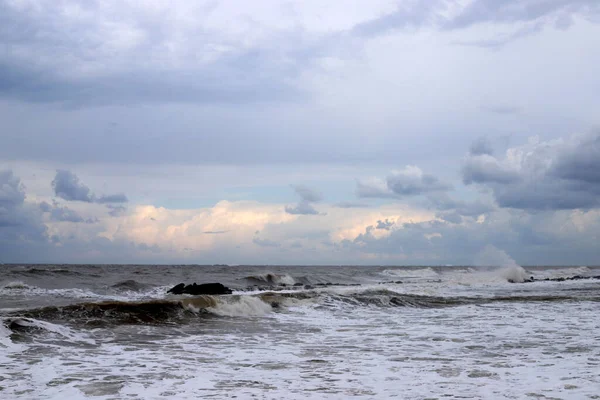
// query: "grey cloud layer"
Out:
[21,224]
[67,186]
[144,61]
[150,57]
[485,168]
[410,181]
[419,14]
[304,206]
[558,175]
[64,214]
[530,238]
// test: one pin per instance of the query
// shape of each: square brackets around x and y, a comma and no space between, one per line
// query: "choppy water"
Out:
[112,332]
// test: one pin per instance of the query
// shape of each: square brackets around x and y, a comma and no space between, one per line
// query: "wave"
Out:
[514,273]
[16,285]
[411,273]
[49,271]
[229,306]
[183,310]
[74,293]
[30,326]
[270,278]
[131,285]
[158,311]
[562,272]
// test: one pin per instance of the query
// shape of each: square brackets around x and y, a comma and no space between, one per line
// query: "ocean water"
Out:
[303,332]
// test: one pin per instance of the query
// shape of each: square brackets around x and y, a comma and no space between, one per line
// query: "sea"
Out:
[299,332]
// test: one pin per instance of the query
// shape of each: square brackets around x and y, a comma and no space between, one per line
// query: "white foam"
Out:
[79,293]
[6,344]
[514,273]
[16,285]
[60,330]
[407,273]
[240,306]
[277,279]
[322,353]
[310,350]
[562,272]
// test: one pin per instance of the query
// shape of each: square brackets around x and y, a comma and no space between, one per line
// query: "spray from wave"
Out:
[270,278]
[500,262]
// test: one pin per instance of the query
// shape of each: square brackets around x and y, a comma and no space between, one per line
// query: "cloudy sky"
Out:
[299,132]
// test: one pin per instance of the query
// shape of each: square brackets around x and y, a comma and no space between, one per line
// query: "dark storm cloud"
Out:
[407,184]
[12,193]
[385,225]
[63,42]
[581,163]
[528,238]
[20,224]
[307,194]
[304,206]
[485,168]
[61,213]
[410,181]
[549,176]
[65,214]
[24,237]
[547,194]
[67,186]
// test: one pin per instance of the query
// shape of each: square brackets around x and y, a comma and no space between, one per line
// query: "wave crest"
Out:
[270,278]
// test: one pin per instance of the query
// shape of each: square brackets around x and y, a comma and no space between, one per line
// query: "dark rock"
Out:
[560,279]
[308,287]
[177,289]
[297,284]
[195,289]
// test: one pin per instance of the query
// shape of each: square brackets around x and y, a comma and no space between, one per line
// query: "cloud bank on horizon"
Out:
[413,132]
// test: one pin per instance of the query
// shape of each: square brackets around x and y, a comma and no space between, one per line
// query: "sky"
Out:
[299,132]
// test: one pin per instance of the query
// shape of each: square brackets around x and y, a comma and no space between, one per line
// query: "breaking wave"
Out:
[229,306]
[181,310]
[16,285]
[149,312]
[30,290]
[131,285]
[29,326]
[563,272]
[272,279]
[412,273]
